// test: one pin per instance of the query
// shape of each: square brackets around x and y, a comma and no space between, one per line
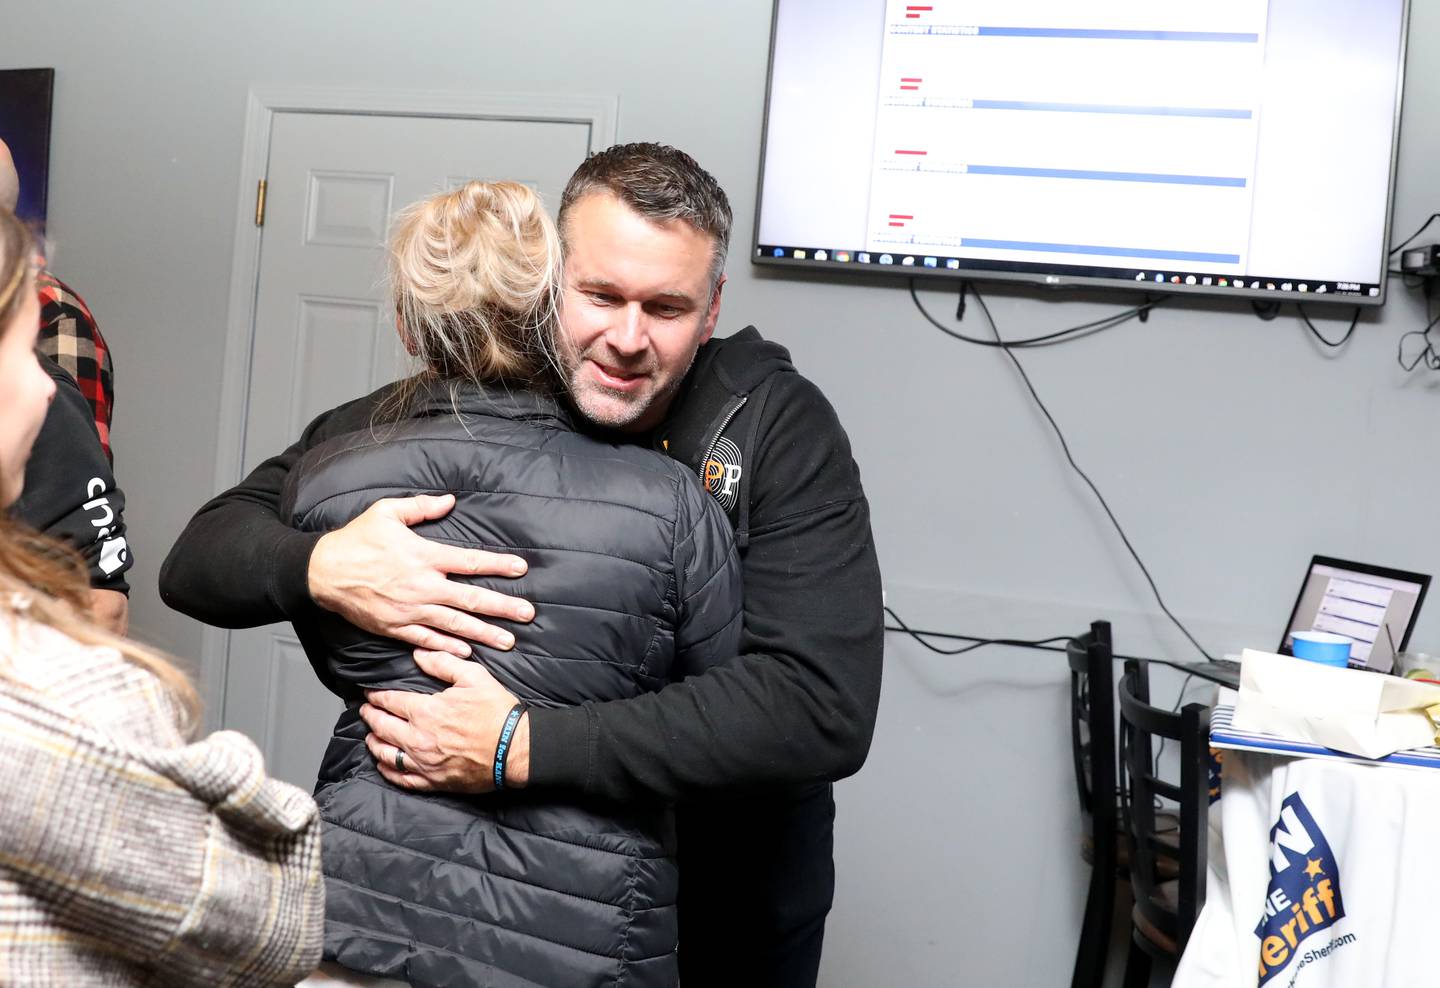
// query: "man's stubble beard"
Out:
[604,411]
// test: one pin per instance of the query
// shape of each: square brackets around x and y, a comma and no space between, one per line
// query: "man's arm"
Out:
[239,565]
[797,705]
[236,564]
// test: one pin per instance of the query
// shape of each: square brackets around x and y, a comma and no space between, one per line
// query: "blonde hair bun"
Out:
[475,273]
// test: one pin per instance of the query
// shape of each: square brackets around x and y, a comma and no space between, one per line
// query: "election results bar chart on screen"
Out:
[1136,147]
[1355,609]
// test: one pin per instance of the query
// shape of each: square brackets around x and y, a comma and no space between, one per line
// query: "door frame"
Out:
[599,113]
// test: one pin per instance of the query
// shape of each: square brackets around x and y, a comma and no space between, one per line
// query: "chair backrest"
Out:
[1092,736]
[1171,915]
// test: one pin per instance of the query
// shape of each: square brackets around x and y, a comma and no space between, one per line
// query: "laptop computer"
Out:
[1374,606]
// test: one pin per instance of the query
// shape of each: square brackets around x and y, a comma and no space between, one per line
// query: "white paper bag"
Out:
[1351,710]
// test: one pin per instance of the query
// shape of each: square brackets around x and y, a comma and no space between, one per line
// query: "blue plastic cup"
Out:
[1321,646]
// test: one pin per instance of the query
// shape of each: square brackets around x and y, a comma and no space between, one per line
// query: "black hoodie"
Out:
[798,705]
[70,491]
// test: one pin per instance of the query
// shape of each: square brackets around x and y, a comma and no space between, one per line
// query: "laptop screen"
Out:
[1373,606]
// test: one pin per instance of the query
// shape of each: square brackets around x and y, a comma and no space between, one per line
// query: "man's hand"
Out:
[446,739]
[382,577]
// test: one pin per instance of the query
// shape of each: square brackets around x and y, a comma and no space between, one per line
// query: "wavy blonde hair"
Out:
[475,274]
[41,579]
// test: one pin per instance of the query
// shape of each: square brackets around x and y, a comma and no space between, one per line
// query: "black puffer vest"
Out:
[635,582]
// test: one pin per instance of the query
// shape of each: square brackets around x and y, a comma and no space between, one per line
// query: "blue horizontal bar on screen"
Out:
[1160,177]
[1149,111]
[1157,255]
[1356,600]
[1113,34]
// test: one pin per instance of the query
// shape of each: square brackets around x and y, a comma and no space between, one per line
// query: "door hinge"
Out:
[260,203]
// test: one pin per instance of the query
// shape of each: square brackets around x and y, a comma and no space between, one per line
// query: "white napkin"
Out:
[1351,710]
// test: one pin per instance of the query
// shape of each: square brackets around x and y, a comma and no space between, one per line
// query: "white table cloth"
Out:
[1320,873]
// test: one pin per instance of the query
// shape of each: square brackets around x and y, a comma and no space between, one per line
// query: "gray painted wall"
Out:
[1231,449]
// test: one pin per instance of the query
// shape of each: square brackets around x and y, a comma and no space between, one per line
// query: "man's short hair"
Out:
[660,183]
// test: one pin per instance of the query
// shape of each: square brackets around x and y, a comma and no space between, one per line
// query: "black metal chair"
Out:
[1165,907]
[1092,744]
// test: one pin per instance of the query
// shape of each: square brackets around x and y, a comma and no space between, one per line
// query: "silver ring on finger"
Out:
[399,761]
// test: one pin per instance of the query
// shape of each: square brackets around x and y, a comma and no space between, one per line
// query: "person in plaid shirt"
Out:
[68,332]
[70,492]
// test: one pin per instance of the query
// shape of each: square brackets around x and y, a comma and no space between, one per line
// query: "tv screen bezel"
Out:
[1057,276]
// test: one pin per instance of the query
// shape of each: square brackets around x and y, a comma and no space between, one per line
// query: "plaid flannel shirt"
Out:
[70,337]
[129,857]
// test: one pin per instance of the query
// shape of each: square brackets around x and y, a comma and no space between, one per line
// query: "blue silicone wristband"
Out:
[502,746]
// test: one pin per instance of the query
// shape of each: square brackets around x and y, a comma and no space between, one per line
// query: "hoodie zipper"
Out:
[730,414]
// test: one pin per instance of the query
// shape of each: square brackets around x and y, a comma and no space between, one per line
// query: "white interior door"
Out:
[324,331]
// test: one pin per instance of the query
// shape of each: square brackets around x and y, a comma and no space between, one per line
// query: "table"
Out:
[1319,874]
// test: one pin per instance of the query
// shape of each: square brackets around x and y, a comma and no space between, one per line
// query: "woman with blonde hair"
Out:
[127,855]
[636,582]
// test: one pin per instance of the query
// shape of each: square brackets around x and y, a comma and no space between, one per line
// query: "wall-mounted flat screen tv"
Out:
[1244,147]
